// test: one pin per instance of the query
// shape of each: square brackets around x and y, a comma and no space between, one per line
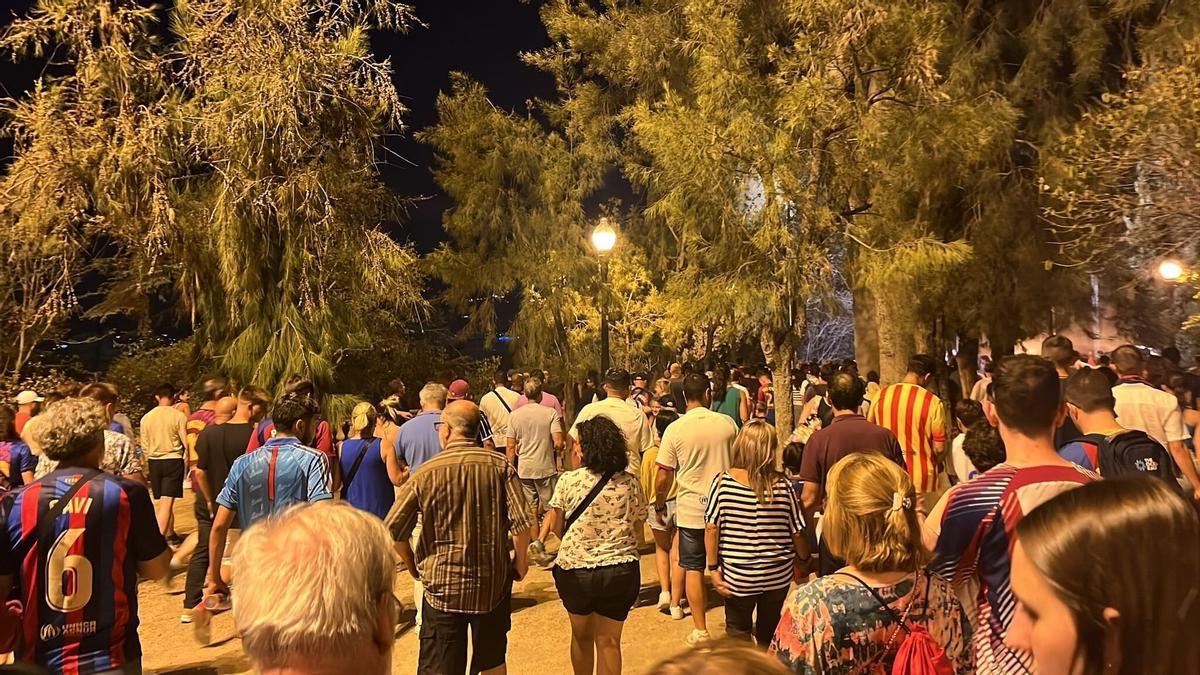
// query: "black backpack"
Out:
[1132,452]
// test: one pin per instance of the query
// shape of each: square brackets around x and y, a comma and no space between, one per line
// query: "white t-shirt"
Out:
[1154,411]
[630,420]
[493,404]
[532,427]
[696,447]
[964,470]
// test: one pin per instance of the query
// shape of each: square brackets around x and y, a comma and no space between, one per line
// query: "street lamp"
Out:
[1169,270]
[604,238]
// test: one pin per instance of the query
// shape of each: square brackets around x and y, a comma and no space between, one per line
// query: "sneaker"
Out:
[697,637]
[677,613]
[664,601]
[202,625]
[186,617]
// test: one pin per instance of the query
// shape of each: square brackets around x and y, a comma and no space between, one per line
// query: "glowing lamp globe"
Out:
[1168,270]
[604,237]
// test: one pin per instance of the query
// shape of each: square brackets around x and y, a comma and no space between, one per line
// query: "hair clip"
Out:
[899,501]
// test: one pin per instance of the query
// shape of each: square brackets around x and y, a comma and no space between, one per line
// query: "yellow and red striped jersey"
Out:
[915,415]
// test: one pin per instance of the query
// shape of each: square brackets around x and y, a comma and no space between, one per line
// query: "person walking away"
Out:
[595,510]
[370,473]
[915,415]
[1059,350]
[548,399]
[728,400]
[388,424]
[630,420]
[182,401]
[666,544]
[327,606]
[417,442]
[217,447]
[475,517]
[286,470]
[212,390]
[28,405]
[856,619]
[1129,605]
[322,439]
[73,544]
[639,395]
[120,456]
[695,450]
[1140,405]
[753,535]
[765,399]
[497,404]
[968,414]
[17,462]
[1105,446]
[460,390]
[534,445]
[970,530]
[848,432]
[164,442]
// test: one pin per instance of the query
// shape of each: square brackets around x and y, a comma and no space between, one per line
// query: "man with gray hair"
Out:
[535,439]
[73,543]
[314,592]
[417,441]
[475,515]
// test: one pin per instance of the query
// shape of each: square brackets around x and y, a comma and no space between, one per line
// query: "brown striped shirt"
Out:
[470,502]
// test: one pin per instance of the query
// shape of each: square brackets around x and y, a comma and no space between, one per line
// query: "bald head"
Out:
[462,420]
[224,409]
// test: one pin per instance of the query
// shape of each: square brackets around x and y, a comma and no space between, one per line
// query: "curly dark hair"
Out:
[983,446]
[291,408]
[603,446]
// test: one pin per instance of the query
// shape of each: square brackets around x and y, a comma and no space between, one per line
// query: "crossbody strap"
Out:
[901,620]
[502,401]
[587,501]
[354,467]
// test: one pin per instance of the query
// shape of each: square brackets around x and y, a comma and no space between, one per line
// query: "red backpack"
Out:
[918,653]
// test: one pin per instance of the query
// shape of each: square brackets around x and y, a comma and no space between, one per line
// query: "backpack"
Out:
[1133,452]
[918,653]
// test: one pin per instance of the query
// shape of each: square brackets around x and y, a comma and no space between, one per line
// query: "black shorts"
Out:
[443,639]
[166,477]
[692,556]
[609,591]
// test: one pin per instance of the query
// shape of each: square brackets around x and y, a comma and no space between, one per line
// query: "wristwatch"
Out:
[714,568]
[660,509]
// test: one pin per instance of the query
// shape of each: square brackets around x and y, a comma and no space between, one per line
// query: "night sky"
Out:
[483,38]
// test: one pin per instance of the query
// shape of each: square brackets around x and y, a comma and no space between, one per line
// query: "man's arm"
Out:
[511,454]
[1187,465]
[200,482]
[216,550]
[155,568]
[410,559]
[396,473]
[810,496]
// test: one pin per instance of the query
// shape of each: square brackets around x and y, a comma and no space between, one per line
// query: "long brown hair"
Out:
[754,450]
[1132,545]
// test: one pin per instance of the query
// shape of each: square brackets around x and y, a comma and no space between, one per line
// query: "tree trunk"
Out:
[967,361]
[923,342]
[894,340]
[778,352]
[866,331]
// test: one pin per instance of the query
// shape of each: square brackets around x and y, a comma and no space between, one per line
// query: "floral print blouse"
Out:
[834,626]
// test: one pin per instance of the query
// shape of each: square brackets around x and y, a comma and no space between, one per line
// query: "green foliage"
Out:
[234,161]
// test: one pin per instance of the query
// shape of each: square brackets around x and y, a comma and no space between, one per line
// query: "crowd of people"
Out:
[1044,519]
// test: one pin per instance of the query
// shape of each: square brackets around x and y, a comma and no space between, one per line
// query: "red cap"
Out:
[459,389]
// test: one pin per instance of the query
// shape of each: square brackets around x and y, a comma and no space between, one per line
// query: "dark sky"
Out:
[483,38]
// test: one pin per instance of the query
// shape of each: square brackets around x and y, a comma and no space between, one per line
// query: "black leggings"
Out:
[739,615]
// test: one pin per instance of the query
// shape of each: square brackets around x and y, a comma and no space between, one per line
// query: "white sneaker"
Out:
[697,637]
[186,617]
[664,601]
[677,613]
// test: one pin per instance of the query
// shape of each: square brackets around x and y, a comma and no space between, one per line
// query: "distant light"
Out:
[1170,270]
[504,338]
[604,237]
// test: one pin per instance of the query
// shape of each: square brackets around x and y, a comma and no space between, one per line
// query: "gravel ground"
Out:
[538,643]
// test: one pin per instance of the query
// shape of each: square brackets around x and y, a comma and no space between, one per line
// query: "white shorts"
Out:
[668,517]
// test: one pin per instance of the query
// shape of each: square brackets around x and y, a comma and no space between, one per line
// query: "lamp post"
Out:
[1171,271]
[604,238]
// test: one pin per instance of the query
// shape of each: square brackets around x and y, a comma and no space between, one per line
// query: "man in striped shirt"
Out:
[916,416]
[971,528]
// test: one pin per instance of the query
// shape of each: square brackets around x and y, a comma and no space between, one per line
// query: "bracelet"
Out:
[714,568]
[660,509]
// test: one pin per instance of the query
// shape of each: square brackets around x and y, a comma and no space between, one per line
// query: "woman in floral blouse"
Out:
[836,625]
[597,572]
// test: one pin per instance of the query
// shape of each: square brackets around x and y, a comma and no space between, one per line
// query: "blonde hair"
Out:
[754,450]
[69,429]
[723,657]
[309,584]
[870,515]
[362,418]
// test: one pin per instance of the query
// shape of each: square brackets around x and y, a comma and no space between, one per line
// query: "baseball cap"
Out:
[459,389]
[28,396]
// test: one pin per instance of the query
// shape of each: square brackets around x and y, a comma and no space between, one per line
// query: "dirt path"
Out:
[538,643]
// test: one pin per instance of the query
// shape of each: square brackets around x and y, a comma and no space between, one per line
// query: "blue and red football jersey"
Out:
[80,594]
